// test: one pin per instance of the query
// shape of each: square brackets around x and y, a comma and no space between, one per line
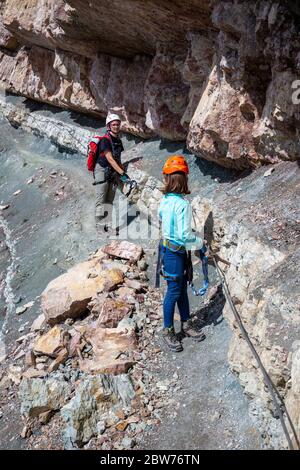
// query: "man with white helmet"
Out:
[109,172]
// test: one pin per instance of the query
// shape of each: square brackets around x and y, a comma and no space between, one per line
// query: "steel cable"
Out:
[271,387]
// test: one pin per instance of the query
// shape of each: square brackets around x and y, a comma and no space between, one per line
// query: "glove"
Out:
[125,178]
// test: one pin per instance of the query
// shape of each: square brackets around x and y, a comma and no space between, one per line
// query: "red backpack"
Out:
[93,151]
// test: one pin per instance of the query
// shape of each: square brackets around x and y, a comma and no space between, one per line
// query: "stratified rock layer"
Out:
[222,75]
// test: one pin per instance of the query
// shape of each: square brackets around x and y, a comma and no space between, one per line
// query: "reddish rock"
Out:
[60,359]
[50,343]
[124,250]
[110,311]
[126,294]
[112,349]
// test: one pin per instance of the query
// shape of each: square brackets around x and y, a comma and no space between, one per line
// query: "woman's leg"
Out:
[170,300]
[174,266]
[183,301]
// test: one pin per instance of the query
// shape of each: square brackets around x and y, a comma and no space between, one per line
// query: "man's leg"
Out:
[110,197]
[101,212]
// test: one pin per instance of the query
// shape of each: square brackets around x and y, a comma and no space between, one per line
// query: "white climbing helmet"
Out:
[112,117]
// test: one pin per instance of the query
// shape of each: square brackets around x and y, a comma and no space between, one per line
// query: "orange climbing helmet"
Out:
[175,163]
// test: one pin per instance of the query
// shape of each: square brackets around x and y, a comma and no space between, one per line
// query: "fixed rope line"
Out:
[271,387]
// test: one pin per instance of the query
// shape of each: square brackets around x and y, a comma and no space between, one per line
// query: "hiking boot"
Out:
[171,340]
[189,330]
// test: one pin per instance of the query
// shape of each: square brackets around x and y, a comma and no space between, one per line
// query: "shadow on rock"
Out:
[212,312]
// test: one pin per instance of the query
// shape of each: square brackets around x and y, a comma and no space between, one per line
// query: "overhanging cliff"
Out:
[218,73]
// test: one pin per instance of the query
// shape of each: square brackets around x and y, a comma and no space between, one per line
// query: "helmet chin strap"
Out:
[112,132]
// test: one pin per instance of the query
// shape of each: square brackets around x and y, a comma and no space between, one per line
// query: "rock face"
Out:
[259,235]
[246,114]
[221,74]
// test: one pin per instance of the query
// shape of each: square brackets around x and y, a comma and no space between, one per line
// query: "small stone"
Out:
[38,323]
[101,427]
[122,425]
[142,265]
[20,310]
[61,359]
[127,443]
[30,359]
[50,343]
[32,373]
[120,414]
[44,418]
[269,172]
[26,432]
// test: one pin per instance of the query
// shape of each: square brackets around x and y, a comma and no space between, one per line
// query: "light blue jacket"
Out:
[175,214]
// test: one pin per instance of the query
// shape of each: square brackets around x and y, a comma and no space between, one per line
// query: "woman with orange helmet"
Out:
[176,218]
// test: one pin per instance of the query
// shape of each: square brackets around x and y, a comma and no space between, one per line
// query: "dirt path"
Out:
[211,410]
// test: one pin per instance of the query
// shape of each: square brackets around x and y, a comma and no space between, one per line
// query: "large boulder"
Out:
[68,295]
[94,396]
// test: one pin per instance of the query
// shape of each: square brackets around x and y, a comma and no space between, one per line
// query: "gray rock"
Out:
[127,323]
[142,265]
[94,395]
[101,426]
[127,443]
[81,416]
[40,395]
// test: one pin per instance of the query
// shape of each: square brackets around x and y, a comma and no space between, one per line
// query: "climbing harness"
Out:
[111,176]
[160,271]
[275,395]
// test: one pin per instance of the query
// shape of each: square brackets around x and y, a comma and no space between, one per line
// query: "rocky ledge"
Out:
[220,74]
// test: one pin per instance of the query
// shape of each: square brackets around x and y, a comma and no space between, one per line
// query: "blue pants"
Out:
[174,267]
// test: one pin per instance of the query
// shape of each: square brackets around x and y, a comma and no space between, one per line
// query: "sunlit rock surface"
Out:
[219,74]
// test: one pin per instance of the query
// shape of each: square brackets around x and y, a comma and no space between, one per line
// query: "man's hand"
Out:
[124,178]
